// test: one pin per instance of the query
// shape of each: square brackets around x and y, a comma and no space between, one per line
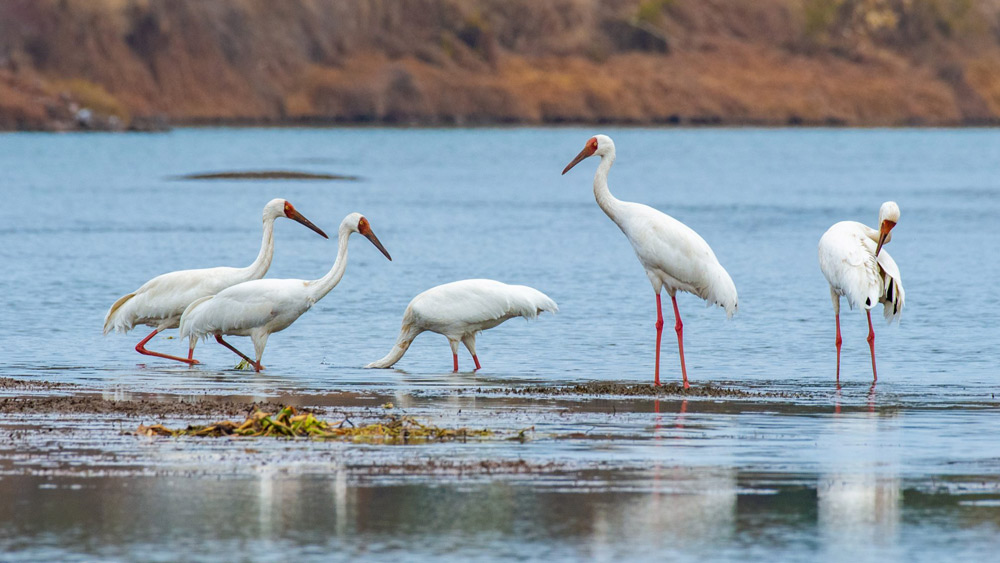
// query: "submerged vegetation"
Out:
[266,175]
[288,423]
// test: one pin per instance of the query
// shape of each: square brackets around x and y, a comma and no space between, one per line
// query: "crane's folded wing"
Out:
[243,307]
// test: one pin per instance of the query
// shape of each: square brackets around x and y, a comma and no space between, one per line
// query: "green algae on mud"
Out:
[287,423]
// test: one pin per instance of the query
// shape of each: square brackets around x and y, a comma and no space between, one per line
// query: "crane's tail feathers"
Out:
[528,302]
[116,319]
[406,335]
[892,301]
[892,287]
[546,305]
[189,319]
[721,291]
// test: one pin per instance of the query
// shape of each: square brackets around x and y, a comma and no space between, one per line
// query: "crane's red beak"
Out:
[882,234]
[371,236]
[365,229]
[294,215]
[587,151]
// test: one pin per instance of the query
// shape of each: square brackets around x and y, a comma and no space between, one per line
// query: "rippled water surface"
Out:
[906,470]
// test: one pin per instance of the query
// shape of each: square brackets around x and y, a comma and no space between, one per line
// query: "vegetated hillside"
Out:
[859,62]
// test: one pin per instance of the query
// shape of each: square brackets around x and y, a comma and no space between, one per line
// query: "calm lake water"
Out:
[907,471]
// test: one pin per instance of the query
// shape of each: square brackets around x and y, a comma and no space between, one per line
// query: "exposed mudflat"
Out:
[92,404]
[632,467]
[612,388]
[10,383]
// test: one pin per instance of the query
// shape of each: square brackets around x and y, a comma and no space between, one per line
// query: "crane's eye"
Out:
[289,209]
[593,144]
[363,226]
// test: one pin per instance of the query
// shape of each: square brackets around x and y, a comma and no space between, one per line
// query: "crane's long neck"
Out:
[319,288]
[609,203]
[260,266]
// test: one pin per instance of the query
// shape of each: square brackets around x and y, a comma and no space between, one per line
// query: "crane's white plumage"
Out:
[459,310]
[259,308]
[847,259]
[674,256]
[160,302]
[854,261]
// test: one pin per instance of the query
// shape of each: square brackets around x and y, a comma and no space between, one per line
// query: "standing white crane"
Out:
[459,310]
[160,302]
[260,307]
[853,260]
[673,255]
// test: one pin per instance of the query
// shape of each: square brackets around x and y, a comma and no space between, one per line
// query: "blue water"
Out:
[909,470]
[88,218]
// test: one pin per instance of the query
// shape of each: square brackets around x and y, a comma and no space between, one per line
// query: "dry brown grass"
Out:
[479,61]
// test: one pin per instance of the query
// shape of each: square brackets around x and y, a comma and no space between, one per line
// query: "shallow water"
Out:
[89,218]
[906,471]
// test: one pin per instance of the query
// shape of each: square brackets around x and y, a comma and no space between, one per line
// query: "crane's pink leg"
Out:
[839,341]
[454,361]
[141,348]
[256,366]
[659,333]
[871,344]
[679,327]
[476,359]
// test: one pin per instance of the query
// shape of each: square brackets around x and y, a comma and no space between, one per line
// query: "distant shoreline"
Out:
[332,123]
[322,123]
[114,66]
[678,121]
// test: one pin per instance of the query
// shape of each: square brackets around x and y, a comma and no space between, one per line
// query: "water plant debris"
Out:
[288,423]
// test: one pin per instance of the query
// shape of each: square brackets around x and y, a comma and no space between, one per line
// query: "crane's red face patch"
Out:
[587,151]
[289,210]
[363,227]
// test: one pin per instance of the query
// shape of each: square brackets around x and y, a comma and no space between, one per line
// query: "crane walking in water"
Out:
[160,302]
[259,308]
[673,255]
[852,257]
[459,310]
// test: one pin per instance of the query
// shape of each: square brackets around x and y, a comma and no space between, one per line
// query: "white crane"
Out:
[259,308]
[160,302]
[674,256]
[853,260]
[459,310]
